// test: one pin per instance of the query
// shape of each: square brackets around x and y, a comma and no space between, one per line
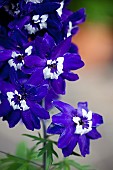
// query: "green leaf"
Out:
[49,155]
[23,167]
[35,137]
[14,166]
[74,164]
[77,165]
[21,150]
[41,140]
[66,164]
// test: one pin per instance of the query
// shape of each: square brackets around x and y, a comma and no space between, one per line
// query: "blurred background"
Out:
[95,42]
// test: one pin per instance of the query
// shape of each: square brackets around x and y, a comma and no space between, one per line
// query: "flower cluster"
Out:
[36,57]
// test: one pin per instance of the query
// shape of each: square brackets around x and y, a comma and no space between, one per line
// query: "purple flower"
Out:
[13,51]
[54,63]
[20,100]
[72,21]
[75,126]
[37,18]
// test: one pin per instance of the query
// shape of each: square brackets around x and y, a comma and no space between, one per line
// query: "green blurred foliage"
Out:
[32,159]
[96,10]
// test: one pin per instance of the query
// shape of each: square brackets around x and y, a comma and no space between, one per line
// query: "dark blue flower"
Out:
[13,51]
[75,126]
[38,18]
[72,21]
[54,63]
[21,100]
[4,2]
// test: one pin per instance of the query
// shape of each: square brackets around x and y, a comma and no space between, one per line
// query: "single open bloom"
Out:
[53,63]
[21,100]
[75,126]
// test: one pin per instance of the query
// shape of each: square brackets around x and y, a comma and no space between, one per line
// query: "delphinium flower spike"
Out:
[36,57]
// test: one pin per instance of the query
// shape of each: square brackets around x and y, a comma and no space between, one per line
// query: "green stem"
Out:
[44,136]
[26,160]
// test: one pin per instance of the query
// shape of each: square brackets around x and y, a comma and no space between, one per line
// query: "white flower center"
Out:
[34,1]
[54,68]
[42,20]
[70,29]
[12,62]
[59,10]
[20,104]
[28,50]
[30,29]
[83,125]
[17,60]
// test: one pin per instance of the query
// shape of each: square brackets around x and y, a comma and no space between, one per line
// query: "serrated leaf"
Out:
[31,167]
[13,166]
[35,137]
[74,164]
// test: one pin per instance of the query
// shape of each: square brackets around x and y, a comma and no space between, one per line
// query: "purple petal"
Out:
[65,138]
[78,17]
[84,144]
[6,87]
[72,61]
[70,76]
[62,119]
[65,14]
[4,108]
[36,93]
[35,121]
[94,134]
[61,49]
[75,30]
[45,45]
[64,107]
[82,105]
[37,77]
[47,7]
[19,23]
[49,98]
[26,118]
[69,149]
[5,55]
[14,118]
[34,61]
[58,85]
[55,129]
[97,120]
[18,36]
[28,70]
[73,48]
[14,78]
[38,110]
